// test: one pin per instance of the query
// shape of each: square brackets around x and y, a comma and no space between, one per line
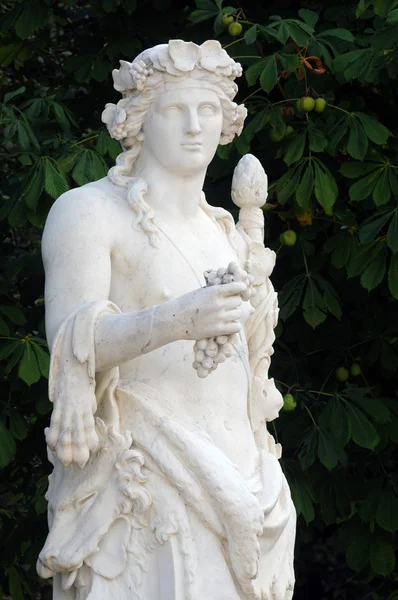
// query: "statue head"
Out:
[177,106]
[167,68]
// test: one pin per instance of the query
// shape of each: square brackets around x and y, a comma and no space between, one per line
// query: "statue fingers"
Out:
[64,447]
[80,454]
[80,451]
[228,328]
[232,289]
[232,302]
[52,432]
[232,315]
[92,440]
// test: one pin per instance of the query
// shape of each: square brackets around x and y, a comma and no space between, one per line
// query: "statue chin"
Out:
[166,481]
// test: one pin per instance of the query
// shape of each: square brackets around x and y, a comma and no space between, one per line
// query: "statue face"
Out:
[182,129]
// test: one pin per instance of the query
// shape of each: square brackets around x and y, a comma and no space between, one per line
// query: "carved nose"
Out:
[192,126]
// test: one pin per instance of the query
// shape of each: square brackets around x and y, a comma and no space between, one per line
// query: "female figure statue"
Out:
[166,485]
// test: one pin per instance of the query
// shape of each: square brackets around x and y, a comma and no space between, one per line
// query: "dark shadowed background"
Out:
[333,185]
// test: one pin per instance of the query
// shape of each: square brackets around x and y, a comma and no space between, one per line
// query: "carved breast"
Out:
[144,275]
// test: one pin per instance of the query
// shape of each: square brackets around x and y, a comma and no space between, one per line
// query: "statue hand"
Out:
[211,311]
[71,435]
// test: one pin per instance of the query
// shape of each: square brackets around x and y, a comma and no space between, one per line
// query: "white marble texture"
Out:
[166,485]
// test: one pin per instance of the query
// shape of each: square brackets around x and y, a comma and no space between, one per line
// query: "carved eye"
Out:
[85,500]
[172,111]
[207,110]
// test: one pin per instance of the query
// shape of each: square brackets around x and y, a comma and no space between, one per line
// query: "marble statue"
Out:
[159,316]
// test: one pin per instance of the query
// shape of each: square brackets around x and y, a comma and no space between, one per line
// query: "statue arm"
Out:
[77,246]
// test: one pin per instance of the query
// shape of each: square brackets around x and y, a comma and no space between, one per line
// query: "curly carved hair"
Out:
[125,122]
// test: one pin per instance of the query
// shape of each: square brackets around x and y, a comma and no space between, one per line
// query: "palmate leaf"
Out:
[17,216]
[374,273]
[302,501]
[362,431]
[317,140]
[331,297]
[357,144]
[34,16]
[14,583]
[34,187]
[23,135]
[308,448]
[354,64]
[325,188]
[328,453]
[254,72]
[43,359]
[374,130]
[374,224]
[309,16]
[197,16]
[305,188]
[269,74]
[62,115]
[295,148]
[382,190]
[334,417]
[342,246]
[276,121]
[354,169]
[90,166]
[55,182]
[290,296]
[290,62]
[14,314]
[373,406]
[9,53]
[314,304]
[6,349]
[338,131]
[363,188]
[342,34]
[250,35]
[255,124]
[28,368]
[287,184]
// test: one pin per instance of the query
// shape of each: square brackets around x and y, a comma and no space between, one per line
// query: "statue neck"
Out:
[170,194]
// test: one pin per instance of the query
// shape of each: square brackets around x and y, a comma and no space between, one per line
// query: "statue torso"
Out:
[143,275]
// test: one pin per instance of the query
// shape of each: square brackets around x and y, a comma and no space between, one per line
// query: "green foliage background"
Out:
[333,180]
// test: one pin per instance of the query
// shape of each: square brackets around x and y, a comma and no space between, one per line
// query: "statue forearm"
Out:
[120,338]
[203,313]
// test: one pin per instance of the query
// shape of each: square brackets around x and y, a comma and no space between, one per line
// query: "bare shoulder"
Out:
[90,213]
[95,201]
